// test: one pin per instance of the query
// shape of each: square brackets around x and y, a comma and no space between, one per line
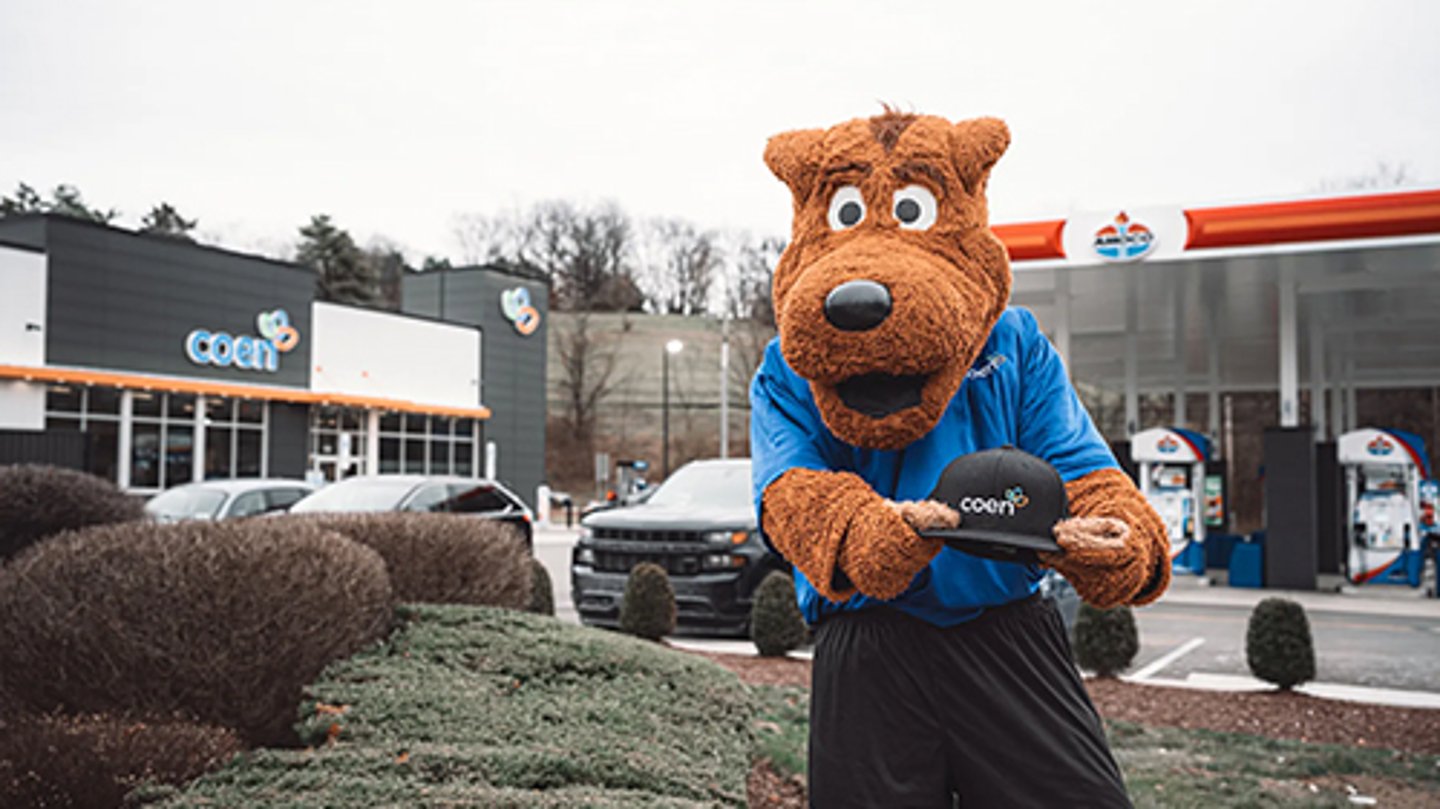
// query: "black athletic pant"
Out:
[907,714]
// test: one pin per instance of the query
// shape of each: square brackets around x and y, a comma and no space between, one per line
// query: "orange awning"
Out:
[1371,216]
[119,379]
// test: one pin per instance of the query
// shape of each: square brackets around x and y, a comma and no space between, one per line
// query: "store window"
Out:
[235,438]
[427,445]
[337,441]
[162,434]
[95,412]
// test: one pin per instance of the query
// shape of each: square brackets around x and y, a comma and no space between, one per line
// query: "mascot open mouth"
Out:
[878,395]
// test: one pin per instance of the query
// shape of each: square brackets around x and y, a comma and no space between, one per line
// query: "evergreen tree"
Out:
[1106,641]
[647,609]
[64,200]
[164,220]
[1278,645]
[776,624]
[343,275]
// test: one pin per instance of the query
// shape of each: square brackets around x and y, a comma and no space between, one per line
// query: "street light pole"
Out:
[671,347]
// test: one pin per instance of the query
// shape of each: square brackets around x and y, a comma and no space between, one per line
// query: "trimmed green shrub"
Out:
[1278,646]
[542,592]
[93,761]
[476,706]
[1106,641]
[222,622]
[40,501]
[776,624]
[647,609]
[441,558]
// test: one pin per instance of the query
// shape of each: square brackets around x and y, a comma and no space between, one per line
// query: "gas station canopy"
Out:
[1332,293]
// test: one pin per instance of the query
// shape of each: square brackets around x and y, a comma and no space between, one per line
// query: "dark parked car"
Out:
[471,497]
[226,499]
[700,526]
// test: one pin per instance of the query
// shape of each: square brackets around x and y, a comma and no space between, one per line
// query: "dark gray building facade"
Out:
[512,356]
[155,362]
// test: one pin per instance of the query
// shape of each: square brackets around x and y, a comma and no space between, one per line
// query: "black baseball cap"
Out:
[1009,502]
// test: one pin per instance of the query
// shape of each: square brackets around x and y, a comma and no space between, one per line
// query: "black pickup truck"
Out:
[700,526]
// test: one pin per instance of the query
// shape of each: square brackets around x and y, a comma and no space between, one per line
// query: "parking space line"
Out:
[1164,660]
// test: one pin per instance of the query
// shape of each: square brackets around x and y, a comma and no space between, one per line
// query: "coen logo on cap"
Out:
[1014,499]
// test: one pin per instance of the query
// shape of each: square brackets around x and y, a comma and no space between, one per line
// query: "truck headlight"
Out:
[584,556]
[726,537]
[722,561]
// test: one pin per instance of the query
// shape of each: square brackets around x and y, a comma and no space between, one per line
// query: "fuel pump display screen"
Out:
[1382,509]
[1173,500]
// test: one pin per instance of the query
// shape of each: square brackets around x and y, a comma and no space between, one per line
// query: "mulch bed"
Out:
[1272,714]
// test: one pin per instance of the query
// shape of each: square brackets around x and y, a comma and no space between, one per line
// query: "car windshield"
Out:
[356,495]
[186,503]
[726,485]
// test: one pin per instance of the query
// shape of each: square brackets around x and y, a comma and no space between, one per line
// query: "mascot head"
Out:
[892,280]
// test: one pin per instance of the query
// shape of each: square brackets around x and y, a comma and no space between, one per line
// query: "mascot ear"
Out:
[975,146]
[794,157]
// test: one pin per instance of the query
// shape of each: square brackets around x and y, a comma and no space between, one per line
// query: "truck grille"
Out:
[674,564]
[641,535]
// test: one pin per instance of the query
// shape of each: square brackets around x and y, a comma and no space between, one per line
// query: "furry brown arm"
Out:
[1116,548]
[842,535]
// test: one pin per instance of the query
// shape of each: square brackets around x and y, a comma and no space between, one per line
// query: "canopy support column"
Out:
[1132,354]
[1352,418]
[1062,317]
[1178,352]
[1212,362]
[1289,361]
[1317,376]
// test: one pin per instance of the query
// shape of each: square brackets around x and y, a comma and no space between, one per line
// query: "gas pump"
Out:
[1171,468]
[1390,506]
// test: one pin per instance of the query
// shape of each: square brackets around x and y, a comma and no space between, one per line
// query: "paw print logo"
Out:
[1017,496]
[275,327]
[515,303]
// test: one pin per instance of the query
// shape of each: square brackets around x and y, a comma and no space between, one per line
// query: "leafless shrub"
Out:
[441,558]
[223,622]
[39,501]
[53,760]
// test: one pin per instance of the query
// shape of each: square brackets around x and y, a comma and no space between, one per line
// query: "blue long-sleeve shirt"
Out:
[1017,393]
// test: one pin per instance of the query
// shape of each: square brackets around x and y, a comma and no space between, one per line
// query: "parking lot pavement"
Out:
[1369,600]
[1372,645]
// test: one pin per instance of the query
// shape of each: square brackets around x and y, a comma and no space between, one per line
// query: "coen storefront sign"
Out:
[248,352]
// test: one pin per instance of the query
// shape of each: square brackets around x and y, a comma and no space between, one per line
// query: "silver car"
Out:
[226,499]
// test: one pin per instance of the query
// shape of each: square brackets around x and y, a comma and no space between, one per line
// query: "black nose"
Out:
[857,305]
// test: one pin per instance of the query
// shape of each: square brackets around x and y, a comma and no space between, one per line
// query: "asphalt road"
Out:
[1353,646]
[1382,651]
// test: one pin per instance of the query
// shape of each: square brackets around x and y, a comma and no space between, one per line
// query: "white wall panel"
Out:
[22,307]
[368,353]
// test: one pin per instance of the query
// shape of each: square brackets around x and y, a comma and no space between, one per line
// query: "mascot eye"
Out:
[847,208]
[915,207]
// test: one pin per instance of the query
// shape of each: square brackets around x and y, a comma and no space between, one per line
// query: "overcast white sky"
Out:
[395,116]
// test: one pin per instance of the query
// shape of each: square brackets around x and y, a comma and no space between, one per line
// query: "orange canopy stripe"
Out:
[1370,216]
[117,379]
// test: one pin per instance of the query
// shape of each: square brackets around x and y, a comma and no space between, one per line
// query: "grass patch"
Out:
[1180,769]
[1172,767]
[782,726]
[475,706]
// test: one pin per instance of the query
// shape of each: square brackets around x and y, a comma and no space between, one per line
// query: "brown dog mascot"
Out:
[937,673]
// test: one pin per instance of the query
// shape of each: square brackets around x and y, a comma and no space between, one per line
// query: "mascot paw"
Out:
[924,515]
[1106,568]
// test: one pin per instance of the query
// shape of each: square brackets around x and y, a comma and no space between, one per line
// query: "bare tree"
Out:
[748,304]
[583,252]
[587,366]
[678,264]
[1384,175]
[489,238]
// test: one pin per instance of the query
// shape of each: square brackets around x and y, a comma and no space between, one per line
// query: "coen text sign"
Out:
[250,353]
